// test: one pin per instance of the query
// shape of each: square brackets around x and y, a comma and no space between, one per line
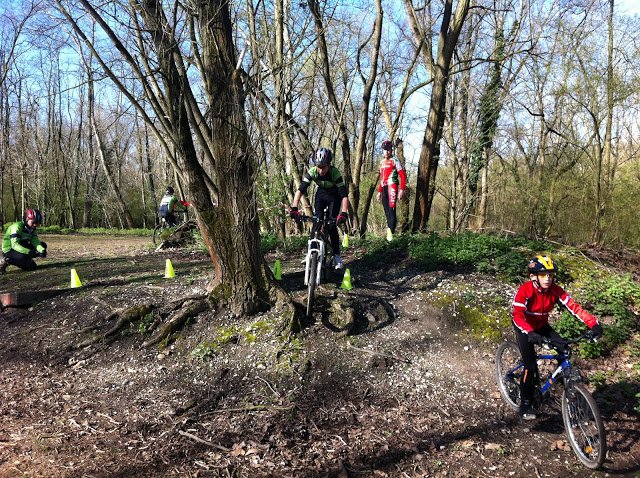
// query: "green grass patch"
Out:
[102,231]
[506,256]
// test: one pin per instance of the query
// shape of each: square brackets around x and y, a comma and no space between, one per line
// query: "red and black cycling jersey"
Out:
[391,172]
[532,305]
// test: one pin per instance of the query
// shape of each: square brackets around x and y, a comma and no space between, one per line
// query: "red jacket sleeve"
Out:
[573,307]
[403,179]
[519,308]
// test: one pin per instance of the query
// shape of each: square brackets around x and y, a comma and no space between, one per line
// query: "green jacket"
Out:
[18,234]
[170,204]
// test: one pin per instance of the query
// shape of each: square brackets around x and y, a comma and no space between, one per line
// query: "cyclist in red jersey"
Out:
[531,306]
[391,188]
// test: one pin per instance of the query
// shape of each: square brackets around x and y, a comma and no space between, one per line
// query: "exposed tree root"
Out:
[189,309]
[125,317]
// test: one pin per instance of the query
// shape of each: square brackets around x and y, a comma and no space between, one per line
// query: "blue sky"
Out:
[631,7]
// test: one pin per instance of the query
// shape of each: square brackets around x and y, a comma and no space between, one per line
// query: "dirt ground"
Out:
[406,394]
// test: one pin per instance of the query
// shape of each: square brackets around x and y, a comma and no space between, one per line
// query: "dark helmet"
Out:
[323,157]
[387,145]
[169,190]
[541,264]
[33,215]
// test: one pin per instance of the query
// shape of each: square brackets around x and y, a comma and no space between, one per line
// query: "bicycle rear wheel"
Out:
[584,425]
[311,285]
[509,368]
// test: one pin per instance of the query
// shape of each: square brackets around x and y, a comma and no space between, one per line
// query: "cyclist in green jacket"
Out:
[169,205]
[21,243]
[331,194]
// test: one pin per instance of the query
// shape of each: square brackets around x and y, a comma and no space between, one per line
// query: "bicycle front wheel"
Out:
[311,287]
[584,425]
[509,369]
[157,233]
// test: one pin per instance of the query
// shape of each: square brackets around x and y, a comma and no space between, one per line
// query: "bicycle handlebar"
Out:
[588,335]
[315,220]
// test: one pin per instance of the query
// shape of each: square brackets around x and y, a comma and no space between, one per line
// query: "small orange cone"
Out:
[75,280]
[346,280]
[168,270]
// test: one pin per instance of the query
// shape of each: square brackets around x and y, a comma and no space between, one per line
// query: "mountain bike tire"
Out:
[311,286]
[584,426]
[157,233]
[508,371]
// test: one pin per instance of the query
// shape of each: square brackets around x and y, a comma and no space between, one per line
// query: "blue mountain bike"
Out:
[580,413]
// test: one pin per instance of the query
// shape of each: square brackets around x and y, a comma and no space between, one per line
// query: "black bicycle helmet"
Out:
[387,145]
[323,157]
[169,190]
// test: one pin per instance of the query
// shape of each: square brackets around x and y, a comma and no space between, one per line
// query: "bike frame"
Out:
[553,378]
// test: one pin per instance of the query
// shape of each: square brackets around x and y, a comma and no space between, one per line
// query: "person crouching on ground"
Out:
[21,243]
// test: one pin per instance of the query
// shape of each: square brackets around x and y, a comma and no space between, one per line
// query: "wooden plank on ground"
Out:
[21,299]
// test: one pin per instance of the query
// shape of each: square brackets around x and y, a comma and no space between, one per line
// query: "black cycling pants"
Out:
[389,212]
[18,259]
[529,379]
[331,201]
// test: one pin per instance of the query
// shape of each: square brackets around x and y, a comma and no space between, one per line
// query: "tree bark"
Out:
[430,152]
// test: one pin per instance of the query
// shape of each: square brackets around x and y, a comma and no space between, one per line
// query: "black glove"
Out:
[597,331]
[535,338]
[342,218]
[294,213]
[33,253]
[43,253]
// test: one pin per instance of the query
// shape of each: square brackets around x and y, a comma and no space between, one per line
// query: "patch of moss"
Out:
[221,293]
[479,324]
[482,326]
[439,300]
[231,334]
[209,348]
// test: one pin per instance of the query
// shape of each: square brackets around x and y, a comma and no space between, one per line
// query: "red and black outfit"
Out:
[531,307]
[392,179]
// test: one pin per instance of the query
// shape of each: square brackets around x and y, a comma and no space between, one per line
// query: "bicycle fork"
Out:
[314,245]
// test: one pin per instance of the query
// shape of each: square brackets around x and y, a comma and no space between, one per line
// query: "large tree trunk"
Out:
[230,230]
[604,156]
[430,152]
[364,118]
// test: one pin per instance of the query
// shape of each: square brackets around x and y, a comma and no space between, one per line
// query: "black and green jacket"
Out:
[331,182]
[17,236]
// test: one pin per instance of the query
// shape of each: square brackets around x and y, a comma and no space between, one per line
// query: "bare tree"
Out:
[216,120]
[450,27]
